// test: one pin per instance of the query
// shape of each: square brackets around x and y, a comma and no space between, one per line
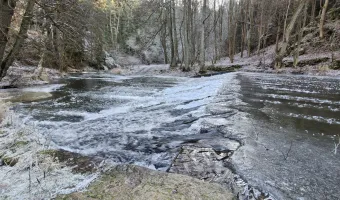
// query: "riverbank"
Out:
[26,171]
[311,63]
[20,75]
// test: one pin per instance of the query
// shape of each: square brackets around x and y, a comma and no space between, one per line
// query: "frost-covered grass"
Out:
[25,172]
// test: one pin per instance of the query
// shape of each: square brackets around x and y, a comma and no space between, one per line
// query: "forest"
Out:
[185,34]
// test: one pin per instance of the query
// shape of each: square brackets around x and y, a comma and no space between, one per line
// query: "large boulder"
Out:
[110,62]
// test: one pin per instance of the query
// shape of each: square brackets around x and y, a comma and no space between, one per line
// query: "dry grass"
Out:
[3,111]
[323,68]
[26,172]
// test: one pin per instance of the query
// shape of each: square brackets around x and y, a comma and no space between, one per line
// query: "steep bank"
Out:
[309,56]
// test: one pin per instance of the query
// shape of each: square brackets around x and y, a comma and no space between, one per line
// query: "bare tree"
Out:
[202,52]
[322,19]
[8,13]
[287,34]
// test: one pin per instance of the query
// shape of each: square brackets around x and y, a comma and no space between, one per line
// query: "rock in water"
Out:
[110,62]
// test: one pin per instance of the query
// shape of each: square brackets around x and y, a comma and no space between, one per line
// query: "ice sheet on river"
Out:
[132,122]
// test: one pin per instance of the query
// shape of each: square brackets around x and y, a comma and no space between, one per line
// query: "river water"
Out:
[289,124]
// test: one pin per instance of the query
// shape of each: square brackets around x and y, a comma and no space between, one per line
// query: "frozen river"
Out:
[288,124]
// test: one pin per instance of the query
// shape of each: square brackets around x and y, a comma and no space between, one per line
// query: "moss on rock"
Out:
[78,162]
[133,182]
[9,161]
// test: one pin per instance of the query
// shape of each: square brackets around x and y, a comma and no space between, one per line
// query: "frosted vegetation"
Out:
[27,171]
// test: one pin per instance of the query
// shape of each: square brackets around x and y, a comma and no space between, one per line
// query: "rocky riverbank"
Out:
[20,75]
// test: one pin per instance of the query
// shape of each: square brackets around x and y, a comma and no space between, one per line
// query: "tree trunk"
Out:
[215,34]
[192,33]
[202,52]
[171,32]
[286,19]
[322,19]
[57,43]
[117,29]
[163,35]
[277,39]
[260,29]
[186,39]
[6,13]
[250,18]
[244,26]
[283,51]
[297,48]
[9,59]
[221,33]
[231,30]
[174,25]
[313,10]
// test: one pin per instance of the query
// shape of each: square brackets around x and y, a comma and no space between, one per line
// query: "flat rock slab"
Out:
[202,163]
[134,182]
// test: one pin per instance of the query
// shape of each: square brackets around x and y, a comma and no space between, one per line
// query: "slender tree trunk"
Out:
[202,52]
[305,16]
[234,36]
[111,28]
[117,29]
[277,39]
[313,10]
[186,33]
[231,29]
[163,35]
[46,36]
[243,26]
[181,32]
[192,33]
[57,44]
[297,48]
[215,34]
[250,19]
[286,19]
[221,32]
[171,34]
[174,25]
[9,59]
[260,29]
[322,19]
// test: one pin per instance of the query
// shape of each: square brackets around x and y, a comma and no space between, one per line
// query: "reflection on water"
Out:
[312,104]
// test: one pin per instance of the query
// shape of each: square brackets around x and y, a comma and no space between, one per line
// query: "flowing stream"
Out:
[289,124]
